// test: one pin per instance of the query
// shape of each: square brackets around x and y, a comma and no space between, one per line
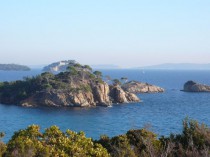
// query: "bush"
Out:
[53,142]
[87,67]
[2,145]
[116,82]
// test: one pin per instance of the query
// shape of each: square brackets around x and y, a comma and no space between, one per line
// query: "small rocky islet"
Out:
[139,87]
[192,86]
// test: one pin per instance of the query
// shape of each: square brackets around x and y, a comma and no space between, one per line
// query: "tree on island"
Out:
[98,74]
[77,65]
[72,70]
[124,79]
[116,82]
[88,67]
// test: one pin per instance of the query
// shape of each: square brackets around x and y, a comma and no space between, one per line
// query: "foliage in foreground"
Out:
[52,143]
[194,141]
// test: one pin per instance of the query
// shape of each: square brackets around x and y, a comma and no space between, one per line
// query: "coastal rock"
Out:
[191,86]
[84,99]
[131,97]
[139,87]
[59,99]
[101,94]
[118,95]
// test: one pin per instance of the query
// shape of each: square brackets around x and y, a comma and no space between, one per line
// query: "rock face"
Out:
[60,98]
[118,95]
[191,86]
[139,87]
[101,95]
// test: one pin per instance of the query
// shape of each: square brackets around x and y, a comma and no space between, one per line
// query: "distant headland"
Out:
[177,66]
[14,67]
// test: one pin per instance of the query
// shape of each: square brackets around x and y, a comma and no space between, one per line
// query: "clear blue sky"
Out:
[122,32]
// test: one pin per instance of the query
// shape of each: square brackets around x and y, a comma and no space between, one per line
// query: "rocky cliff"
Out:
[73,88]
[191,86]
[139,87]
[118,95]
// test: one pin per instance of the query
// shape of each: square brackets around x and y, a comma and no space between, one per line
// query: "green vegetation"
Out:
[52,143]
[88,67]
[98,74]
[194,141]
[72,70]
[116,82]
[2,145]
[15,67]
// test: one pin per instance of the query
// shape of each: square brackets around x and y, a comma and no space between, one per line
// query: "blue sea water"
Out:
[164,112]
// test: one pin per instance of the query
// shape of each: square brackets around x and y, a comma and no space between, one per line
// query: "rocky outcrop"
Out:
[59,99]
[191,86]
[118,95]
[139,87]
[101,94]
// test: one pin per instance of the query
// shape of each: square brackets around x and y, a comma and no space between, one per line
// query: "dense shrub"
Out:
[2,145]
[194,141]
[53,142]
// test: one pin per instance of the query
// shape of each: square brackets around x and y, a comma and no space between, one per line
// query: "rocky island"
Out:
[14,67]
[139,87]
[191,86]
[78,86]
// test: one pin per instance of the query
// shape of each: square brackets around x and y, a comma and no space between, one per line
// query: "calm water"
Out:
[164,111]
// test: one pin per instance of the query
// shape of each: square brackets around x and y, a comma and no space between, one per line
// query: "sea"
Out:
[162,113]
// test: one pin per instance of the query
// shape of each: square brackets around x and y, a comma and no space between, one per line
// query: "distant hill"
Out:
[178,66]
[105,66]
[39,66]
[14,67]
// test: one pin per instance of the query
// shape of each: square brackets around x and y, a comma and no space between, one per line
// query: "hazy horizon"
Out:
[125,33]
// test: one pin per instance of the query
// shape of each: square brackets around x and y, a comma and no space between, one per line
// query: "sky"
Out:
[128,33]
